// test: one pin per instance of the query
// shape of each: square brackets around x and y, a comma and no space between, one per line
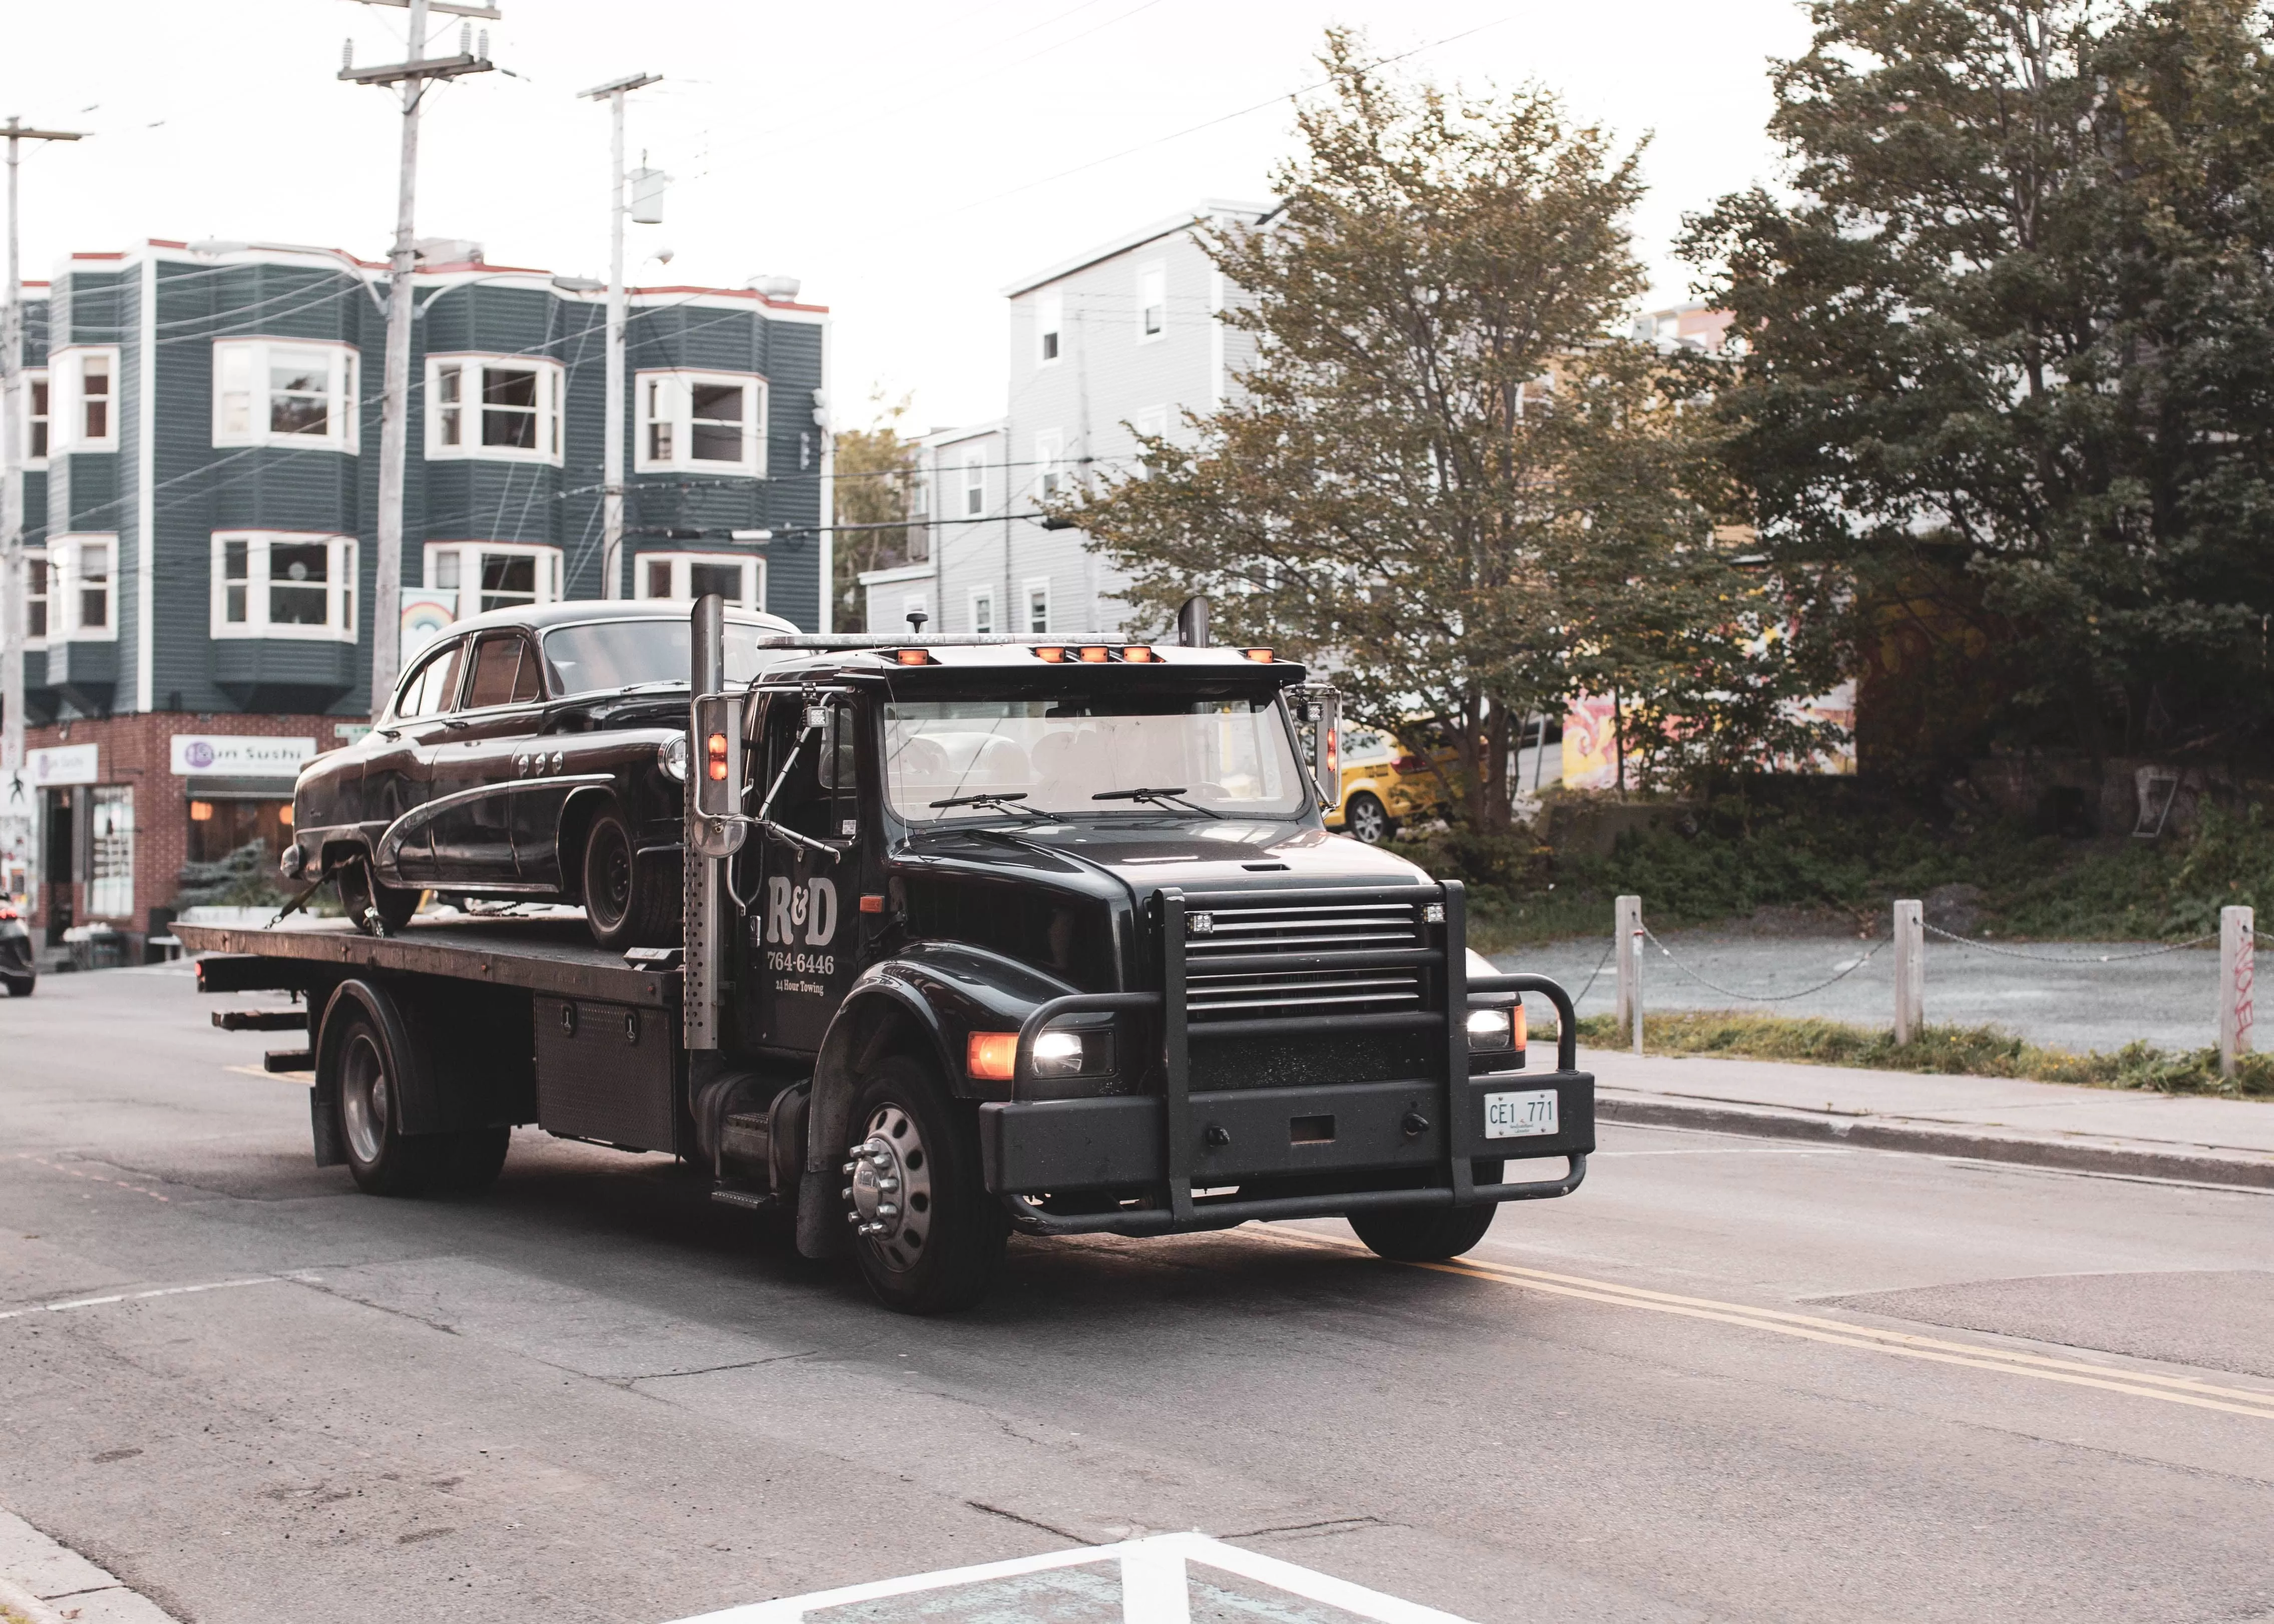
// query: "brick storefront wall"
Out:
[138,750]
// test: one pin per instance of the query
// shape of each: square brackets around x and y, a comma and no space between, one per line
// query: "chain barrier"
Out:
[1597,971]
[2056,958]
[1751,997]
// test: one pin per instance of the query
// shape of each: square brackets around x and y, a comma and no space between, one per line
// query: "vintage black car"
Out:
[534,755]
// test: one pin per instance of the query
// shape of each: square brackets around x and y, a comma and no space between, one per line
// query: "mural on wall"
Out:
[1591,755]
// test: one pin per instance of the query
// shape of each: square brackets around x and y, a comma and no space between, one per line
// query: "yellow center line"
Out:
[1835,1333]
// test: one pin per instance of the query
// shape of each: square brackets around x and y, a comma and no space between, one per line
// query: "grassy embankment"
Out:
[1963,1051]
[1846,865]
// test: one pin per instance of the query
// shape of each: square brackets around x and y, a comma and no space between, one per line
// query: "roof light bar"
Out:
[1261,657]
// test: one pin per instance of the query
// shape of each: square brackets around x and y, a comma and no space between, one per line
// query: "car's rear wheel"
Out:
[375,907]
[1367,819]
[20,986]
[630,901]
[927,1236]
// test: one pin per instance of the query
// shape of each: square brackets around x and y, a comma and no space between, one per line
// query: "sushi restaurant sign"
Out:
[242,756]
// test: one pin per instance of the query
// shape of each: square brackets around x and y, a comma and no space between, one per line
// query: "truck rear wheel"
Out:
[1429,1234]
[384,1159]
[927,1236]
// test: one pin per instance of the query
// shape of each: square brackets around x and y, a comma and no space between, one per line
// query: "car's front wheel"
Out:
[927,1236]
[1367,819]
[630,901]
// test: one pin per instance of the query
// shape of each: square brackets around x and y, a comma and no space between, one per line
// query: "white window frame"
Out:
[45,600]
[1050,329]
[67,579]
[468,567]
[1038,593]
[1050,457]
[982,597]
[668,398]
[974,484]
[754,577]
[34,461]
[1152,301]
[342,412]
[340,579]
[67,371]
[470,368]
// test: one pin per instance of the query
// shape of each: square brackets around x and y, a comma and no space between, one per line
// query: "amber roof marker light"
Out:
[1054,656]
[1096,656]
[1138,654]
[1261,657]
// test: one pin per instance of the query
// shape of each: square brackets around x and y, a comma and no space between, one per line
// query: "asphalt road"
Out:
[2083,995]
[1727,1379]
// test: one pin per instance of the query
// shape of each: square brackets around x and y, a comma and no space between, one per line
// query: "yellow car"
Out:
[1384,784]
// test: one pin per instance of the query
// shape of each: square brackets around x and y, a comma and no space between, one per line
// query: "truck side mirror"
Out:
[821,722]
[1321,708]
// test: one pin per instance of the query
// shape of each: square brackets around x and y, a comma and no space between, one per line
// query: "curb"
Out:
[2130,1158]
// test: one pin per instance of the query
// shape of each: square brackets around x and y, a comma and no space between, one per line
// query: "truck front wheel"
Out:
[927,1236]
[1428,1234]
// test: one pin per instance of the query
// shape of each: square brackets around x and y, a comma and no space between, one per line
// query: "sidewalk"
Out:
[1999,1119]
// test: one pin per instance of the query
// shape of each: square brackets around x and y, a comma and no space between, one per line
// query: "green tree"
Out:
[1441,478]
[875,474]
[2010,354]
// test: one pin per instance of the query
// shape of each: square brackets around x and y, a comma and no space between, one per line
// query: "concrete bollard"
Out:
[1626,937]
[2237,970]
[1910,971]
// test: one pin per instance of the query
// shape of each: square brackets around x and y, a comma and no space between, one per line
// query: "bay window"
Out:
[701,420]
[84,394]
[503,407]
[35,415]
[483,576]
[36,579]
[271,584]
[79,588]
[278,392]
[685,577]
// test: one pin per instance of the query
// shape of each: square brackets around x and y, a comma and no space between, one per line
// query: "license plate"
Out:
[1519,1115]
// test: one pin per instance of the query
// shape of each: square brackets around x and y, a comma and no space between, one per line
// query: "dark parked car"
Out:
[530,754]
[19,966]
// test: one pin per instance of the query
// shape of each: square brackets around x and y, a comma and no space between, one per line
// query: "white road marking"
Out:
[1154,1584]
[301,1277]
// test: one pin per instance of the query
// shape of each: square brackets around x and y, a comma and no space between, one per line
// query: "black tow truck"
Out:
[983,935]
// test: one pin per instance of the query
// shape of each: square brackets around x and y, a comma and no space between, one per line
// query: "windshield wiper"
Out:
[1001,802]
[1168,797]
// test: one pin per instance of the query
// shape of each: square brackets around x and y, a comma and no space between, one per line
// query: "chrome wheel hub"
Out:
[888,1202]
[364,1099]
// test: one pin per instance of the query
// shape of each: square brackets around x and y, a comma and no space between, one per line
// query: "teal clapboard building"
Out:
[201,499]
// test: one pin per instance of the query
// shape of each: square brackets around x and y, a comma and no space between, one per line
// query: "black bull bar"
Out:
[1405,1143]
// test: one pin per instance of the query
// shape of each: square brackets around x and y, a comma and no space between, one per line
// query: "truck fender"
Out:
[869,1019]
[413,1078]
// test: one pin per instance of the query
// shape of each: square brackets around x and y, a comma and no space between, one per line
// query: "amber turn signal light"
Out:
[993,1056]
[715,748]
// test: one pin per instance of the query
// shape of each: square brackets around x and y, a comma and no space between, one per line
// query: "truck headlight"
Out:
[1060,1053]
[1491,1029]
[671,755]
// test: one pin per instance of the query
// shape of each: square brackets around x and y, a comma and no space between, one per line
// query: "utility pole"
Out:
[13,628]
[395,408]
[612,430]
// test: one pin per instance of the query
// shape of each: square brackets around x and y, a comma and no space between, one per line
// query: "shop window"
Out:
[270,392]
[218,826]
[110,862]
[277,584]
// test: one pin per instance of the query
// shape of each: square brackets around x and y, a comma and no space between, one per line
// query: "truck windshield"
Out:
[602,656]
[1057,756]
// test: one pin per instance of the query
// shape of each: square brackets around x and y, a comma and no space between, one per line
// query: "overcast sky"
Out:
[906,160]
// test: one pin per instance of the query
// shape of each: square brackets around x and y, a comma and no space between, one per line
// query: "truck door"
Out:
[473,840]
[804,920]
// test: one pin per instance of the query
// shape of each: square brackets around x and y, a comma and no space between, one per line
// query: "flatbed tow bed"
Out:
[911,1018]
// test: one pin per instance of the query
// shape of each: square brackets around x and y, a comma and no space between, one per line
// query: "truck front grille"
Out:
[1296,932]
